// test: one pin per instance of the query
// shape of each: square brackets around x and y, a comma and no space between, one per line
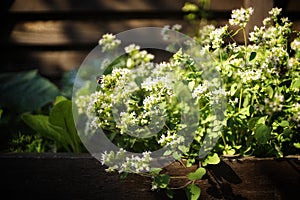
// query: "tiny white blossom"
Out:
[109,42]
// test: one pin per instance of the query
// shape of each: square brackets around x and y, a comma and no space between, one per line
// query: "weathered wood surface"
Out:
[80,176]
[55,35]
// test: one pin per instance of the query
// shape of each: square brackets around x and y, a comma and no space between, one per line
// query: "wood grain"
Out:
[80,176]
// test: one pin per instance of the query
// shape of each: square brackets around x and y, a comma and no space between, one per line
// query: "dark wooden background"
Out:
[54,36]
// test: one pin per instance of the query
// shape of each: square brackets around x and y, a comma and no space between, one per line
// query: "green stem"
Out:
[245,40]
[245,36]
[240,100]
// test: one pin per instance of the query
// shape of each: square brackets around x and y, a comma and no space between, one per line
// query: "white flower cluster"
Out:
[240,17]
[137,57]
[275,12]
[272,36]
[217,35]
[121,162]
[165,32]
[296,111]
[203,36]
[109,42]
[171,140]
[295,45]
[217,95]
[275,104]
[250,75]
[200,89]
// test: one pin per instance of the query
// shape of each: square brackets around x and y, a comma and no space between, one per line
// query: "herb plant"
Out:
[260,82]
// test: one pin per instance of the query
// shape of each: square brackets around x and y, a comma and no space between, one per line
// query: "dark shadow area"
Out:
[220,179]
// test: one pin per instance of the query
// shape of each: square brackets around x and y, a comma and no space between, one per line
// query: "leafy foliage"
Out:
[58,126]
[25,91]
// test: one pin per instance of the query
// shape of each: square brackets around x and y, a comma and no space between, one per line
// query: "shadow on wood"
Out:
[72,176]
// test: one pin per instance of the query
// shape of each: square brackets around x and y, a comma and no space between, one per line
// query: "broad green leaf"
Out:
[297,145]
[262,133]
[1,111]
[284,123]
[162,180]
[59,99]
[61,116]
[211,159]
[252,56]
[25,91]
[40,123]
[193,192]
[198,174]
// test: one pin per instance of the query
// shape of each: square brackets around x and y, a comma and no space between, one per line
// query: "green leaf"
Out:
[198,174]
[61,116]
[59,99]
[193,192]
[252,56]
[191,85]
[297,145]
[233,89]
[284,123]
[162,180]
[296,84]
[25,91]
[262,133]
[176,155]
[40,123]
[190,7]
[252,122]
[270,91]
[212,160]
[1,111]
[155,170]
[170,193]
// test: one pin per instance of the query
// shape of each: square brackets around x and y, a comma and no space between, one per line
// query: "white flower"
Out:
[132,48]
[109,42]
[275,12]
[240,17]
[217,35]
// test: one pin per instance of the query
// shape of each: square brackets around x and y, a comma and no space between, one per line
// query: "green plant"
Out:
[58,126]
[261,84]
[36,118]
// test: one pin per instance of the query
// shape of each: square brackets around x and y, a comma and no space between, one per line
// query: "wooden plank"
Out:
[76,32]
[228,5]
[114,5]
[62,32]
[80,176]
[95,5]
[49,63]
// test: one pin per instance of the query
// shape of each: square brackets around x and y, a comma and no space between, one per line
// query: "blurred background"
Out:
[54,36]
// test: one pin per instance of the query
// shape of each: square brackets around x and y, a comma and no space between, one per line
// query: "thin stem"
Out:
[245,36]
[240,100]
[181,187]
[245,40]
